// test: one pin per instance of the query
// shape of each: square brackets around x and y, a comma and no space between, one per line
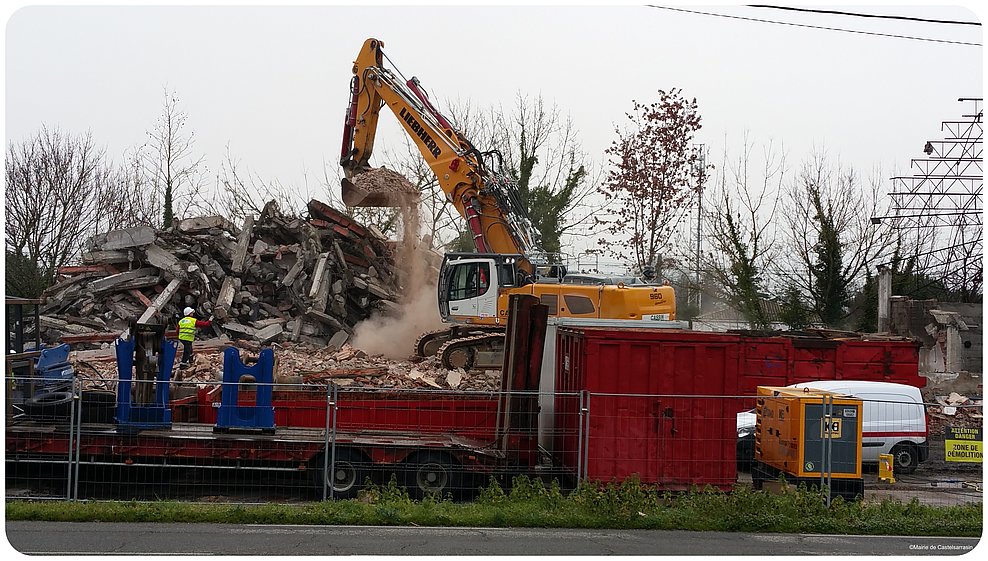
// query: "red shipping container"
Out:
[655,407]
[781,361]
[663,402]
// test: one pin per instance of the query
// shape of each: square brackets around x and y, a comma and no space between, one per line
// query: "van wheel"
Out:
[745,451]
[905,458]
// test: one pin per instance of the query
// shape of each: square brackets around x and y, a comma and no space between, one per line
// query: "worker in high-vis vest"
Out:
[187,333]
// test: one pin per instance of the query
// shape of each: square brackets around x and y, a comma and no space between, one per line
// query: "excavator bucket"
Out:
[379,187]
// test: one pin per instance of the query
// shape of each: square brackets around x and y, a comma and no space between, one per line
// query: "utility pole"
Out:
[701,167]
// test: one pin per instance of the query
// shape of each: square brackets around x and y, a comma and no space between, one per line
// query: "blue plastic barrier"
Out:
[53,371]
[233,416]
[156,415]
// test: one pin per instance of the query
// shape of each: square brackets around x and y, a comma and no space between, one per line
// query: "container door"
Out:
[696,421]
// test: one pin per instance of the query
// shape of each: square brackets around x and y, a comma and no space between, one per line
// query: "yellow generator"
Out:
[808,436]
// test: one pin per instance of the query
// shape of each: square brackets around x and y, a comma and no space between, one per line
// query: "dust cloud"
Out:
[394,337]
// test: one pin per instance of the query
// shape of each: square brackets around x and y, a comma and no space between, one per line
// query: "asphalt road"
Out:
[70,538]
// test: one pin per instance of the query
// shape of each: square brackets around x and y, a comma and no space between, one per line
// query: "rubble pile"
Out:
[953,410]
[273,278]
[299,366]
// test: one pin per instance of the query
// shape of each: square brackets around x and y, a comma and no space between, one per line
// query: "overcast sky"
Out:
[271,83]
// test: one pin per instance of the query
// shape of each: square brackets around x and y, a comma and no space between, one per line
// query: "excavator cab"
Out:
[470,284]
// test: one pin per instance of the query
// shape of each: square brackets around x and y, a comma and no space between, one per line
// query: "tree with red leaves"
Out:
[653,176]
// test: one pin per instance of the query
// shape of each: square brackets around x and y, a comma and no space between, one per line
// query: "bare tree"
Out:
[132,200]
[543,155]
[169,162]
[740,231]
[57,191]
[652,178]
[831,243]
[241,193]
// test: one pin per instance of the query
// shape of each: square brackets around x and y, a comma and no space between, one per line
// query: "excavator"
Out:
[473,288]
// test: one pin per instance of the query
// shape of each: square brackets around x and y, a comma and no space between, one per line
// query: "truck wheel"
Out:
[431,473]
[50,406]
[905,458]
[345,478]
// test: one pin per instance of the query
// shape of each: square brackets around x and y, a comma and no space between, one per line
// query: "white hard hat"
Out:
[188,311]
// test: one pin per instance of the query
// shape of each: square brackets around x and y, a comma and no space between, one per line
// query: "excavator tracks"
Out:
[462,352]
[429,343]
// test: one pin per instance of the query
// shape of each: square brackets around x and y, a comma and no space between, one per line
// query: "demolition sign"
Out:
[963,445]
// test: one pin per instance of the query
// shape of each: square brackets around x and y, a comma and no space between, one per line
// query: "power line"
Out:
[816,26]
[839,13]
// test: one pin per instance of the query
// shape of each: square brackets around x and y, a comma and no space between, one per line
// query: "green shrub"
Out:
[530,503]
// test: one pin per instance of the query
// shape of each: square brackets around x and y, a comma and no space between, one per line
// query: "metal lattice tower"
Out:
[939,207]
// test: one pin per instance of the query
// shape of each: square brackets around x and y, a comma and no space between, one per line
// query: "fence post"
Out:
[579,440]
[826,476]
[585,432]
[72,459]
[330,404]
[331,445]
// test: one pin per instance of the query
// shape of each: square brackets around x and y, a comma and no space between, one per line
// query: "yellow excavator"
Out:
[473,288]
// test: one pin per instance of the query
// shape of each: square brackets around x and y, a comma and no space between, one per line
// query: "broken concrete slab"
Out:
[163,259]
[338,339]
[160,301]
[295,269]
[240,329]
[111,281]
[269,333]
[107,257]
[243,241]
[137,236]
[197,224]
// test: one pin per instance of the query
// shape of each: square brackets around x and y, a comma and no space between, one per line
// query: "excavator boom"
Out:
[486,200]
[473,288]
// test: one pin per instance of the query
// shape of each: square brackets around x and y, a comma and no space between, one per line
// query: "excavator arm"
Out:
[485,199]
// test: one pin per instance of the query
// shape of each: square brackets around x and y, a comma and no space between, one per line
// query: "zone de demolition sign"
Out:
[963,445]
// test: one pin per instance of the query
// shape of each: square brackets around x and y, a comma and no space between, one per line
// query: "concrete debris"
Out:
[302,367]
[454,378]
[956,399]
[308,279]
[953,410]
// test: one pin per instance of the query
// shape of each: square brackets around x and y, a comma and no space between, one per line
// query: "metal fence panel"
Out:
[328,442]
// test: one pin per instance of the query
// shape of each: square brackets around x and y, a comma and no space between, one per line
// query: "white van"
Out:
[894,421]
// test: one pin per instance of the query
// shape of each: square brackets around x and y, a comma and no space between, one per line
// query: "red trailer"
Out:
[431,441]
[434,440]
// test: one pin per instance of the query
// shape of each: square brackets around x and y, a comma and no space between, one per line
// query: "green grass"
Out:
[529,503]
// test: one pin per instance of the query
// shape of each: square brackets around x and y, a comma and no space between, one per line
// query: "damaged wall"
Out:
[951,354]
